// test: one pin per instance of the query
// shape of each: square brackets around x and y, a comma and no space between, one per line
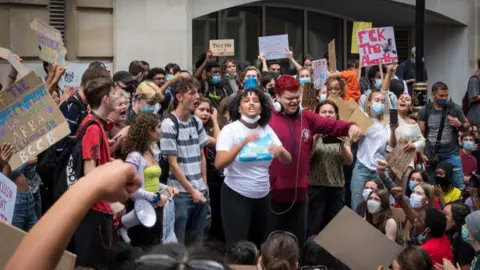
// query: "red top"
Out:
[289,129]
[438,249]
[353,85]
[95,147]
[469,163]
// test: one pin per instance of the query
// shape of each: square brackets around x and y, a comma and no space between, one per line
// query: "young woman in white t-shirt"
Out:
[372,147]
[245,149]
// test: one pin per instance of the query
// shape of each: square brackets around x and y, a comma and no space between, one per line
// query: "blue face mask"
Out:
[468,145]
[251,82]
[378,84]
[323,97]
[148,108]
[169,77]
[442,101]
[378,108]
[305,80]
[216,79]
[412,185]
[465,236]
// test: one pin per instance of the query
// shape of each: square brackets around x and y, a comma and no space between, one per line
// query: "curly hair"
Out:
[342,83]
[266,110]
[138,134]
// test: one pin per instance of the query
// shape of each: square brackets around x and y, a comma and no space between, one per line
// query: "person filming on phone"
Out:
[440,122]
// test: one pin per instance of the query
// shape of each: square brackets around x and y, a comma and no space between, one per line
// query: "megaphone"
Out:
[143,213]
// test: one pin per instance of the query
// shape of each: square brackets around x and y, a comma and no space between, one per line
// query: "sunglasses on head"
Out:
[166,261]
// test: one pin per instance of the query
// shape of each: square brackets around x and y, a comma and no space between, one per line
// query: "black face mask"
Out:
[271,91]
[442,181]
[275,75]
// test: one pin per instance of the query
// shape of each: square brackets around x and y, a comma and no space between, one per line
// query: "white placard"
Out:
[273,47]
[8,194]
[320,73]
[73,75]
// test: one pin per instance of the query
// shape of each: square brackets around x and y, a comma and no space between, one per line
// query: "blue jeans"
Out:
[189,218]
[360,175]
[38,203]
[454,159]
[24,216]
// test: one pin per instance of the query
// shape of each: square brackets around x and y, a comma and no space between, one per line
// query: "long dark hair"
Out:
[459,212]
[266,112]
[424,178]
[385,213]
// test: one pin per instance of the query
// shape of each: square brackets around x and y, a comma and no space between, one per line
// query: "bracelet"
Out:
[157,198]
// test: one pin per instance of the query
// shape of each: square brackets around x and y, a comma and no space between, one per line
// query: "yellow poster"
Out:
[358,26]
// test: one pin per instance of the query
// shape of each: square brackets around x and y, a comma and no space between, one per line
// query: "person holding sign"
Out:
[372,147]
[296,128]
[351,77]
[376,82]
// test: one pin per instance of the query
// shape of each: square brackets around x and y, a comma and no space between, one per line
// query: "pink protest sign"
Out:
[377,46]
[8,194]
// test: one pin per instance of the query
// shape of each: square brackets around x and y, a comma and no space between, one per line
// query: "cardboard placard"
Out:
[357,26]
[359,245]
[332,57]
[222,47]
[377,46]
[309,97]
[273,47]
[50,43]
[399,160]
[320,72]
[8,195]
[350,111]
[10,237]
[29,119]
[10,57]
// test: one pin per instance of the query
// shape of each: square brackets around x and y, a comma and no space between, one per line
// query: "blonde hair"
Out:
[150,90]
[367,108]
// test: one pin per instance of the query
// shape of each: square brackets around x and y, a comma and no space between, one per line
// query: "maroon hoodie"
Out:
[289,129]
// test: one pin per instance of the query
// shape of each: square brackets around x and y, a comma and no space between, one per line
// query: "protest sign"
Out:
[399,160]
[50,43]
[356,243]
[320,73]
[29,119]
[273,47]
[332,57]
[8,194]
[222,47]
[309,97]
[10,237]
[350,111]
[73,74]
[10,57]
[357,26]
[377,46]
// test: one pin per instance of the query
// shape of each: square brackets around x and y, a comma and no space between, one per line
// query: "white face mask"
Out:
[249,120]
[373,206]
[365,193]
[416,201]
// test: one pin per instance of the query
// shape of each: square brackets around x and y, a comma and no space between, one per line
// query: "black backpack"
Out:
[163,159]
[70,162]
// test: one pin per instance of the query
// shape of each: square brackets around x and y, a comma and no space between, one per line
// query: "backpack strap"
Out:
[175,123]
[84,130]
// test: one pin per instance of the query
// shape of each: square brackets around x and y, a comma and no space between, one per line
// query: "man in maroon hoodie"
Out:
[295,128]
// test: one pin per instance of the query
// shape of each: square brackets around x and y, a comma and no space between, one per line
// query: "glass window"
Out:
[203,29]
[321,30]
[244,25]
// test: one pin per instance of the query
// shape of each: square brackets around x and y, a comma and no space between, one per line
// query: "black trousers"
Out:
[144,237]
[215,232]
[93,240]
[244,218]
[293,221]
[324,203]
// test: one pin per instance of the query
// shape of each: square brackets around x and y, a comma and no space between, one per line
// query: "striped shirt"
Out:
[187,148]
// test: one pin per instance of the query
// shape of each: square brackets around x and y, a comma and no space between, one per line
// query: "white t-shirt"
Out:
[248,173]
[373,146]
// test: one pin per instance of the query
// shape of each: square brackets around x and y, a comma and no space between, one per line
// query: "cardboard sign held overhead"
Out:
[10,57]
[29,119]
[309,97]
[222,47]
[10,237]
[377,46]
[8,194]
[357,26]
[320,72]
[332,57]
[356,243]
[273,47]
[50,43]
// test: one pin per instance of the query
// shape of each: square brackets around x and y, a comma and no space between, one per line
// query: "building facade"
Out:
[178,31]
